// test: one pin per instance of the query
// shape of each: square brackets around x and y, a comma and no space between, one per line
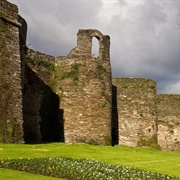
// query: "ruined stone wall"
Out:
[168,121]
[11,116]
[71,98]
[84,85]
[42,116]
[42,64]
[135,112]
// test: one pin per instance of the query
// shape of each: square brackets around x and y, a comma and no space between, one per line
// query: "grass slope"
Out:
[143,158]
[14,175]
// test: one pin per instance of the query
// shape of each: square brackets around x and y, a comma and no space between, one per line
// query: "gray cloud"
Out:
[145,35]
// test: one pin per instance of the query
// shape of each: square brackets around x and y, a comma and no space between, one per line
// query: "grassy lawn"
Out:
[14,175]
[143,158]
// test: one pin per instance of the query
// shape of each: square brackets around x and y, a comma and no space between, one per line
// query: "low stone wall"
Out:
[168,121]
[135,111]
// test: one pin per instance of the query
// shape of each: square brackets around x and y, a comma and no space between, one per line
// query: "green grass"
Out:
[14,175]
[143,158]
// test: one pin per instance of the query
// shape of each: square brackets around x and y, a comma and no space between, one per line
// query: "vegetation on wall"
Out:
[104,103]
[137,85]
[100,70]
[1,15]
[73,73]
[151,142]
[125,86]
[2,26]
[37,62]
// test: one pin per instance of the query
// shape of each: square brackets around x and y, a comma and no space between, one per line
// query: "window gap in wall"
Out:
[95,47]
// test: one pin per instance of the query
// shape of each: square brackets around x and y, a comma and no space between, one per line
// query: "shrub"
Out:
[80,169]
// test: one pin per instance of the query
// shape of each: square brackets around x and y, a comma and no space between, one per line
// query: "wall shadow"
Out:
[114,120]
[43,119]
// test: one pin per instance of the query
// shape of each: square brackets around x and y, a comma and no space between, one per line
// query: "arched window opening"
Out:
[95,47]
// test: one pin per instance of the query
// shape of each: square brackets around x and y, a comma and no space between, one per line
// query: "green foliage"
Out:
[104,103]
[151,142]
[160,121]
[106,96]
[155,146]
[141,158]
[79,168]
[177,98]
[2,26]
[73,73]
[91,142]
[107,140]
[171,131]
[37,62]
[152,87]
[1,15]
[100,69]
[115,83]
[2,29]
[125,86]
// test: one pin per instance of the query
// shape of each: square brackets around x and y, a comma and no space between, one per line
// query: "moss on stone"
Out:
[104,103]
[107,140]
[2,26]
[125,86]
[73,73]
[151,142]
[1,14]
[39,62]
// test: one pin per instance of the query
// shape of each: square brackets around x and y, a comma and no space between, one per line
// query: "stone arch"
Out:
[84,45]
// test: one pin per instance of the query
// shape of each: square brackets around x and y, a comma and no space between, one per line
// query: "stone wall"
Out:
[168,121]
[11,116]
[72,99]
[42,64]
[9,12]
[135,111]
[84,85]
[42,115]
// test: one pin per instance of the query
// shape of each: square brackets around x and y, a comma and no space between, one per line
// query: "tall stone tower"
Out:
[84,85]
[11,116]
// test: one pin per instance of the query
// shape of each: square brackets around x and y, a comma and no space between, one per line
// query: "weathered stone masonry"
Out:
[85,89]
[72,98]
[136,110]
[10,70]
[169,121]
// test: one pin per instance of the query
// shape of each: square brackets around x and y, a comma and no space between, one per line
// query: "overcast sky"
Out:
[145,34]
